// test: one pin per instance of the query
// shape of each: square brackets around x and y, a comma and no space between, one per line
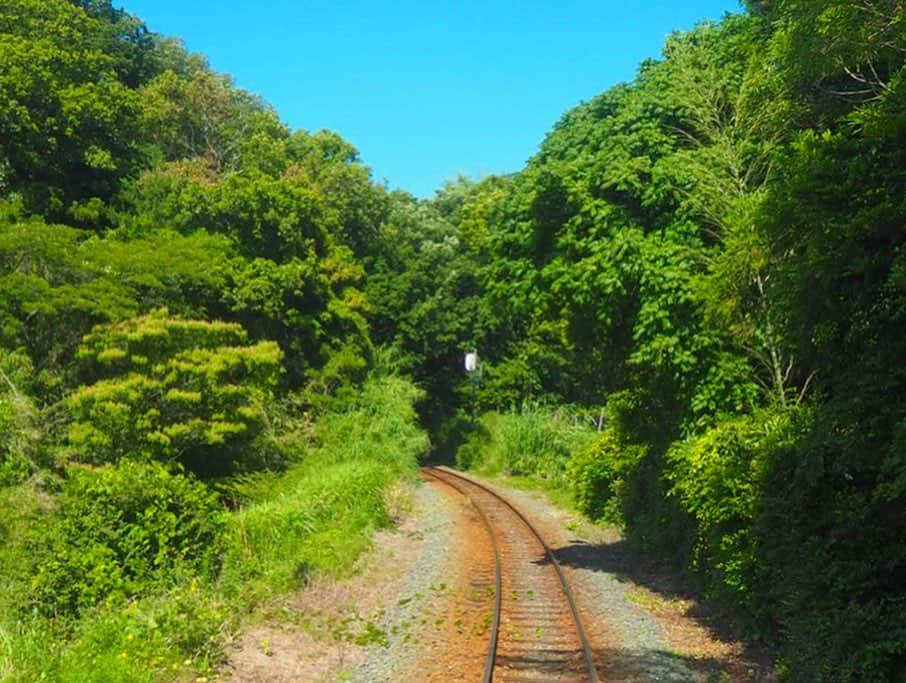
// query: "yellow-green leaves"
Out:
[171,389]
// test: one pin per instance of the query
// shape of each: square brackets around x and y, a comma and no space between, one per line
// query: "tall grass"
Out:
[530,441]
[316,517]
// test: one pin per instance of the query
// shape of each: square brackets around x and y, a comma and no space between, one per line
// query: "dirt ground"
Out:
[323,632]
[412,612]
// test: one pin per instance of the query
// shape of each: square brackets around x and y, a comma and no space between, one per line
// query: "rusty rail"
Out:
[564,584]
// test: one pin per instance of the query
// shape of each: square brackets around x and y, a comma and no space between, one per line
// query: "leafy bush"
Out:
[715,477]
[718,479]
[171,389]
[172,635]
[471,452]
[120,531]
[828,531]
[509,383]
[598,473]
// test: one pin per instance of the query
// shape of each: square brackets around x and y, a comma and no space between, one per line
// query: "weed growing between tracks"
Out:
[316,517]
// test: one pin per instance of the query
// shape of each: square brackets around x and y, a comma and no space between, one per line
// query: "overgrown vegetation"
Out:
[707,263]
[137,570]
[529,441]
[689,306]
[192,415]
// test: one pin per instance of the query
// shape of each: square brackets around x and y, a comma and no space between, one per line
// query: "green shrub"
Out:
[172,389]
[471,451]
[598,472]
[508,383]
[171,635]
[718,478]
[714,477]
[121,531]
[828,533]
[333,386]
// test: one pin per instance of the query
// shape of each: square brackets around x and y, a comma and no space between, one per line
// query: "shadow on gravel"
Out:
[619,560]
[653,665]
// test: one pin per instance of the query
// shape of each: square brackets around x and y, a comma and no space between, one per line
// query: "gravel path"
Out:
[404,616]
[425,593]
[365,628]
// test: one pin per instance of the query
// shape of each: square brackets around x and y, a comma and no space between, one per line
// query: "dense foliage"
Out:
[172,390]
[706,266]
[119,531]
[690,307]
[186,427]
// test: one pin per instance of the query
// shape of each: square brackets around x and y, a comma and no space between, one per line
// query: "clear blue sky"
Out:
[426,90]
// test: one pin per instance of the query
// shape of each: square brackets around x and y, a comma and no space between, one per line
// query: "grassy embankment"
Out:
[88,592]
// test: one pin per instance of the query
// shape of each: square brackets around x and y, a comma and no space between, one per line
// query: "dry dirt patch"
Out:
[323,632]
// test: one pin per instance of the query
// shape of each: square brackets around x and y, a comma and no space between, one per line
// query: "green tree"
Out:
[56,282]
[68,123]
[169,389]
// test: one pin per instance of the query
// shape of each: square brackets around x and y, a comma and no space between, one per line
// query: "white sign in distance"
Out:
[471,361]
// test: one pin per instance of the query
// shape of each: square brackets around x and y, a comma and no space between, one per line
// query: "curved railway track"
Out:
[536,633]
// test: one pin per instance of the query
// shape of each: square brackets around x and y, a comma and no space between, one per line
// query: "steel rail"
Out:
[488,676]
[570,599]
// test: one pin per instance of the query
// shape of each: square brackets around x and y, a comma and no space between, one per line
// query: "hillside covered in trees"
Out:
[215,333]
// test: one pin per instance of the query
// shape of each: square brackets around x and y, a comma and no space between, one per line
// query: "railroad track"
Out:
[536,633]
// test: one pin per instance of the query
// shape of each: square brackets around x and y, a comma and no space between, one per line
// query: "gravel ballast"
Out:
[642,625]
[408,614]
[404,619]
